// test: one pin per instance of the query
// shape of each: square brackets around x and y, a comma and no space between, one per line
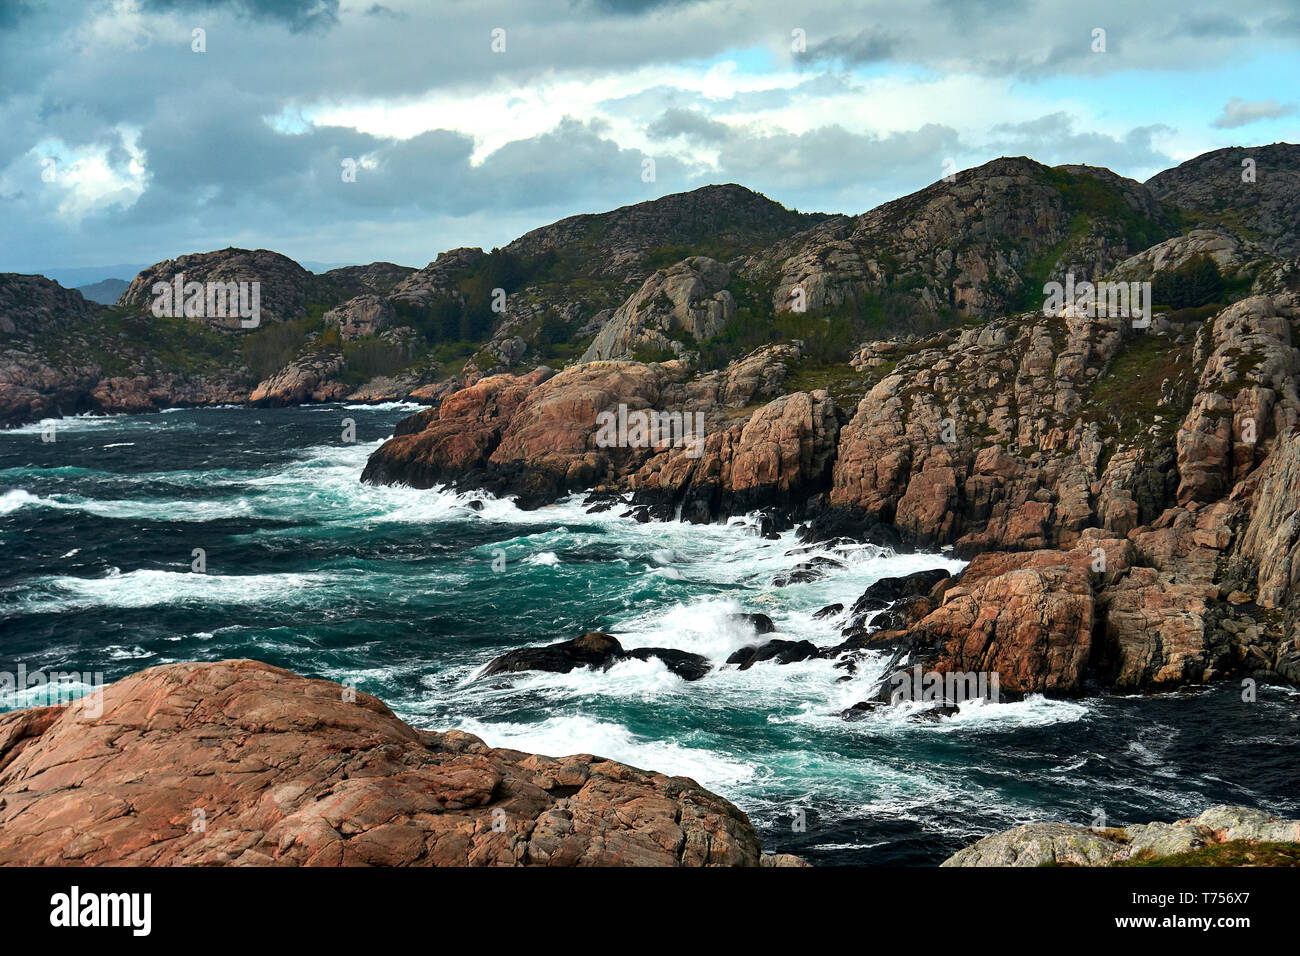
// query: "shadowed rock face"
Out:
[690,298]
[283,283]
[241,763]
[1270,201]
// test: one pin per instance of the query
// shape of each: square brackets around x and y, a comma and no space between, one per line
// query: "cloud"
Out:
[175,151]
[1055,139]
[297,15]
[690,124]
[1239,112]
[866,46]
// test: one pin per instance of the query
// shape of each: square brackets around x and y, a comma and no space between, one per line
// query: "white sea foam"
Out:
[151,588]
[69,423]
[17,498]
[386,407]
[570,734]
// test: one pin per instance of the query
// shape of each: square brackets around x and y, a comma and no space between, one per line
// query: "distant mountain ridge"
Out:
[105,292]
[706,275]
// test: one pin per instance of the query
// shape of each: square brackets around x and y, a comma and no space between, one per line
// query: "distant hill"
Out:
[710,275]
[106,292]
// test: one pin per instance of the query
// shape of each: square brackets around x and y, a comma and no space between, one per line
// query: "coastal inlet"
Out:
[408,595]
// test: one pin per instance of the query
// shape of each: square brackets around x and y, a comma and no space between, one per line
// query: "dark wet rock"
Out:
[867,605]
[940,711]
[684,664]
[783,652]
[761,623]
[830,610]
[593,649]
[892,589]
[813,569]
[597,651]
[860,710]
[892,593]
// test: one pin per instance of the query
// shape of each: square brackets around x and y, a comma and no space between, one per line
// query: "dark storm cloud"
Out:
[298,15]
[229,158]
[691,124]
[1210,27]
[632,7]
[866,46]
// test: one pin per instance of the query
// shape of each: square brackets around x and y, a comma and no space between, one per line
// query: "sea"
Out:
[202,534]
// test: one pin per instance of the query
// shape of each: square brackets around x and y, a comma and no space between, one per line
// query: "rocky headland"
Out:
[1129,492]
[237,763]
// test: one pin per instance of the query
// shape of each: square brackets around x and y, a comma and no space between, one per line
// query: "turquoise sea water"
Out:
[407,594]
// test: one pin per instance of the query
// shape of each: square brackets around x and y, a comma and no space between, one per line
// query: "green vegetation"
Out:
[1198,314]
[1194,283]
[448,319]
[845,383]
[1029,297]
[125,341]
[1125,400]
[371,356]
[648,354]
[829,336]
[1097,199]
[1232,853]
[271,347]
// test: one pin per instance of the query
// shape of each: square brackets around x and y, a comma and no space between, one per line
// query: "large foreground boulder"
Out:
[241,763]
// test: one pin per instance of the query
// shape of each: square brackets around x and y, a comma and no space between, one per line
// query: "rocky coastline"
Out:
[1126,494]
[1142,560]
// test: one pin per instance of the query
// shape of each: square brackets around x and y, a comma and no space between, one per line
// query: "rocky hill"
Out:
[105,292]
[1130,487]
[705,276]
[238,763]
[1253,191]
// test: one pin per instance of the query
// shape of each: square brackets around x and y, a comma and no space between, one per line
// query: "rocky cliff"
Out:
[1127,488]
[238,763]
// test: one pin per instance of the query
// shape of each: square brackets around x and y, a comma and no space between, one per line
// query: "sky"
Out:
[349,132]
